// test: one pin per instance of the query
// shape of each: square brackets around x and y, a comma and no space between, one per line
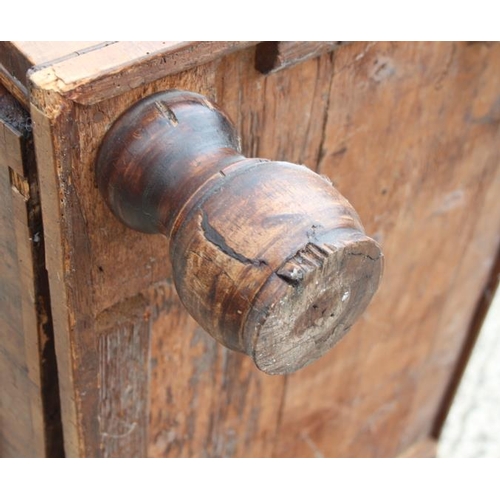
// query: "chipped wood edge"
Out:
[13,76]
[150,63]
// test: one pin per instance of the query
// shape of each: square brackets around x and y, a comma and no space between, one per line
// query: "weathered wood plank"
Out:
[123,408]
[55,251]
[19,57]
[422,137]
[408,132]
[99,253]
[16,58]
[104,73]
[22,429]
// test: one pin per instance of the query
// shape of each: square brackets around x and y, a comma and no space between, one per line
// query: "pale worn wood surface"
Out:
[16,58]
[19,57]
[21,412]
[107,72]
[112,67]
[408,132]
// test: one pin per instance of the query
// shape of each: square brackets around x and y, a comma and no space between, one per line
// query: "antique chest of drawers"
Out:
[139,211]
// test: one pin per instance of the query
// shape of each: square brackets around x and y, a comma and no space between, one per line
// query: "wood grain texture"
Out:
[433,181]
[275,56]
[102,74]
[29,423]
[268,257]
[20,397]
[408,132]
[123,354]
[16,58]
[217,404]
[54,252]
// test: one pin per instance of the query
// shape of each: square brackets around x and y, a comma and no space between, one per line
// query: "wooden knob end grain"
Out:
[267,256]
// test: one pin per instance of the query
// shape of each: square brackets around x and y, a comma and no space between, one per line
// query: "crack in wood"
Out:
[214,237]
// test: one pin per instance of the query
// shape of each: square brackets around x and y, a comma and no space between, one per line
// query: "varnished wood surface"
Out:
[268,257]
[408,132]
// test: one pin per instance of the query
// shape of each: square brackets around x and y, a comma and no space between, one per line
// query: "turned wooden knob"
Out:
[267,256]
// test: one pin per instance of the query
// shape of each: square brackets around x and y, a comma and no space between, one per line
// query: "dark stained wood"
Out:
[274,56]
[268,257]
[407,132]
[29,420]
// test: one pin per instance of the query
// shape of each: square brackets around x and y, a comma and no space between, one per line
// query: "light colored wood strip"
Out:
[41,52]
[18,57]
[124,66]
